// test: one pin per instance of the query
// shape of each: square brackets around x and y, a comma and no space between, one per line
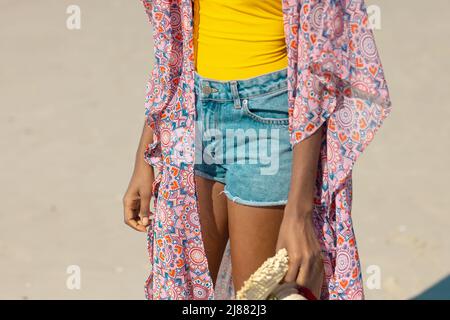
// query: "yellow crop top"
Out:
[238,39]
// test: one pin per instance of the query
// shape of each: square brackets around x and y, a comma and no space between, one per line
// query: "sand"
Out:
[72,110]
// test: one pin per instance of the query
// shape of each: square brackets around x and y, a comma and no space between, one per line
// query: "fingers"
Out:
[311,275]
[133,223]
[293,265]
[145,209]
[306,271]
[131,214]
[293,269]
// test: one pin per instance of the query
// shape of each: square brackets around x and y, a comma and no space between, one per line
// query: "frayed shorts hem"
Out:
[238,199]
[207,176]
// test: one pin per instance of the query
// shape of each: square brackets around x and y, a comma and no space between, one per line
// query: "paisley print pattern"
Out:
[336,84]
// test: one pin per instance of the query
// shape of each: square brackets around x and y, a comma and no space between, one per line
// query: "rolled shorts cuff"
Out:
[252,202]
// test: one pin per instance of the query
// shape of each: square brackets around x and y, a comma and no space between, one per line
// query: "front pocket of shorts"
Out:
[271,108]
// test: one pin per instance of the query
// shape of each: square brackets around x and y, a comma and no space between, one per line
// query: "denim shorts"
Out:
[242,137]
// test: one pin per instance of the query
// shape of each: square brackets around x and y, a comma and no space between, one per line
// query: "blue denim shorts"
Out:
[242,137]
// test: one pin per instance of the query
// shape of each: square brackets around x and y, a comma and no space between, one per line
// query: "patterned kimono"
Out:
[335,83]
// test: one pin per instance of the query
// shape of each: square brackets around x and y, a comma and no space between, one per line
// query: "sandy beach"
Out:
[72,109]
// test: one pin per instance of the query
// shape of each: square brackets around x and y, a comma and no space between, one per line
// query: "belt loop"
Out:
[235,94]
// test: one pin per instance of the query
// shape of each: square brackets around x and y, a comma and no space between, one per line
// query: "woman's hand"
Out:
[298,236]
[136,201]
[297,231]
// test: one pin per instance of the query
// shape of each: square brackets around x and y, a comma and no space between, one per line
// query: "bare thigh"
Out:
[214,221]
[253,237]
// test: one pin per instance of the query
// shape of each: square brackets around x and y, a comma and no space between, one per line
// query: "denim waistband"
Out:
[229,90]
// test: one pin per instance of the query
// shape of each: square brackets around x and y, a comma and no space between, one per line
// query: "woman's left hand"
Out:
[298,236]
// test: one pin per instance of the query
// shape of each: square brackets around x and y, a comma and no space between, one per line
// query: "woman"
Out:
[301,75]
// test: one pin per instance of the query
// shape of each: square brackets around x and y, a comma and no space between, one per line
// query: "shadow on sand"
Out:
[439,291]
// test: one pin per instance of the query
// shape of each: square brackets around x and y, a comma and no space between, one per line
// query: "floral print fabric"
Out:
[336,83]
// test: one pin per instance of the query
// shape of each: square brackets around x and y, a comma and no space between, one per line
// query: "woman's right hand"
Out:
[136,201]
